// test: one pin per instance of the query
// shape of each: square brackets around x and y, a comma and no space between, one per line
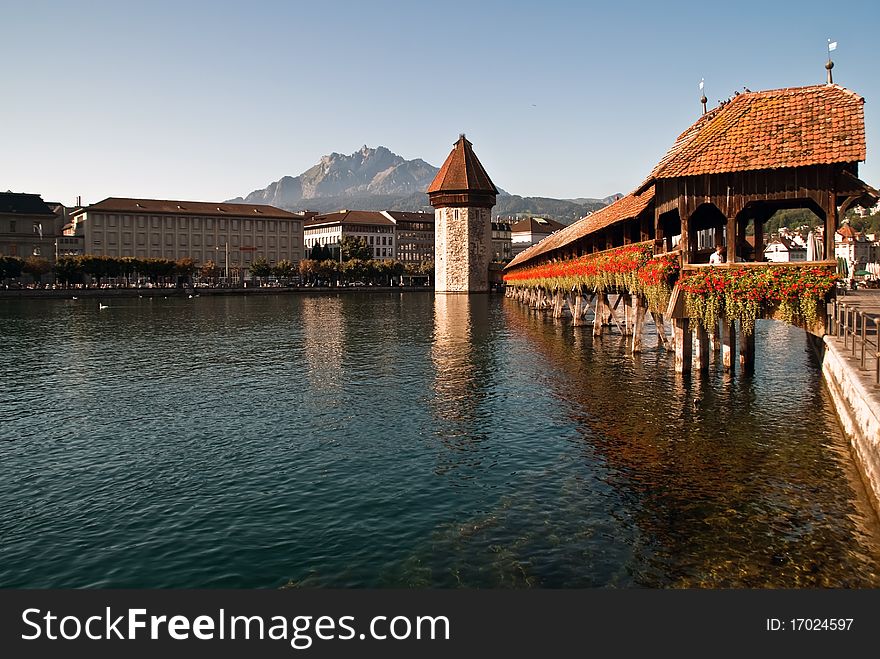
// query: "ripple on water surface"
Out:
[403,440]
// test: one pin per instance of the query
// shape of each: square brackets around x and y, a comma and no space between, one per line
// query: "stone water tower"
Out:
[462,195]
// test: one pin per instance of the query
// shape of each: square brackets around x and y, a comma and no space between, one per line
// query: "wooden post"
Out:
[701,349]
[685,242]
[715,339]
[728,343]
[830,225]
[577,310]
[558,304]
[683,345]
[747,351]
[638,324]
[759,237]
[731,239]
[627,314]
[598,315]
[661,330]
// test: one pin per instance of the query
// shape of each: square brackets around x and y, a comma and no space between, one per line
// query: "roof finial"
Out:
[703,98]
[832,45]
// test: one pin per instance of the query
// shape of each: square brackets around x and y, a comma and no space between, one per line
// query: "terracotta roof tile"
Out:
[164,206]
[462,172]
[624,208]
[350,217]
[794,127]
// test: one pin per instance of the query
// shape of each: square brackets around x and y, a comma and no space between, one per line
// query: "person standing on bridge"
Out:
[717,257]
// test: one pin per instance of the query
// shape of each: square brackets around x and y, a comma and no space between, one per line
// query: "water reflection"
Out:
[735,481]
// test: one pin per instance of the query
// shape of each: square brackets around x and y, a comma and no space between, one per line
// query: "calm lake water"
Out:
[408,440]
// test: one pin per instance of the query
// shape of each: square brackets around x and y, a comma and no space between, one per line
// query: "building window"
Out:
[12,227]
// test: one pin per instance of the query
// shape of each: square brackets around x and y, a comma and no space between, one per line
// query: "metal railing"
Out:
[860,330]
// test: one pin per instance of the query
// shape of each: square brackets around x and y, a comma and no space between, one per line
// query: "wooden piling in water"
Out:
[638,323]
[701,347]
[683,345]
[728,343]
[747,351]
[598,314]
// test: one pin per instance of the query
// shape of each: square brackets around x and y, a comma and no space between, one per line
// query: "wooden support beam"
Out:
[728,343]
[701,347]
[747,351]
[577,311]
[612,318]
[683,346]
[660,325]
[641,307]
[627,314]
[558,308]
[759,238]
[731,240]
[715,339]
[598,315]
[685,242]
[830,224]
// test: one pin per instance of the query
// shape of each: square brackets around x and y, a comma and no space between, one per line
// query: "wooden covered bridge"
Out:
[721,181]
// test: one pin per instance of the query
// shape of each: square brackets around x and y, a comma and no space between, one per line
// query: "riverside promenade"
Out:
[850,354]
[68,293]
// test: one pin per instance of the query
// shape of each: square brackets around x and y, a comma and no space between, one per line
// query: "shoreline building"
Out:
[414,236]
[531,231]
[328,229]
[501,241]
[27,226]
[230,235]
[462,195]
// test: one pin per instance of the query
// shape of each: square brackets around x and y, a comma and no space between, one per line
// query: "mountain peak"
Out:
[367,171]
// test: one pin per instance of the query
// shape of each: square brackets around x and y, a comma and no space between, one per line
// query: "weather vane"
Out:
[832,45]
[703,98]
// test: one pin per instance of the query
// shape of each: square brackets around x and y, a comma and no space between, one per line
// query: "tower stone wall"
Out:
[462,249]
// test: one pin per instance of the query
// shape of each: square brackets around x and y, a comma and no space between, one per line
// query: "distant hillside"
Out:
[378,179]
[589,200]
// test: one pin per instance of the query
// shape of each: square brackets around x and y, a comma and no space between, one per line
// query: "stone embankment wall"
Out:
[858,407]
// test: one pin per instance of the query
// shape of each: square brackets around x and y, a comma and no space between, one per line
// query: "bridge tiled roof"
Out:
[793,127]
[624,208]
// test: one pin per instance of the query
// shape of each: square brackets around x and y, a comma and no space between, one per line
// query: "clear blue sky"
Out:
[209,100]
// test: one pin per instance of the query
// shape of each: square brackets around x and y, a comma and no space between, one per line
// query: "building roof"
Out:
[624,208]
[793,127]
[848,234]
[176,207]
[462,172]
[536,225]
[20,203]
[787,243]
[349,217]
[408,216]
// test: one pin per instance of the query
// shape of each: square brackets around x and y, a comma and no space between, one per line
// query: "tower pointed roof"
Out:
[462,172]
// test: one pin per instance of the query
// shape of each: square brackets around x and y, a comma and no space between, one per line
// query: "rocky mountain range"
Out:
[377,179]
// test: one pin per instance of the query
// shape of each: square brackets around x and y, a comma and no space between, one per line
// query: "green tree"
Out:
[260,268]
[68,270]
[328,269]
[36,268]
[185,266]
[319,253]
[284,270]
[94,266]
[308,270]
[354,270]
[10,267]
[355,248]
[209,270]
